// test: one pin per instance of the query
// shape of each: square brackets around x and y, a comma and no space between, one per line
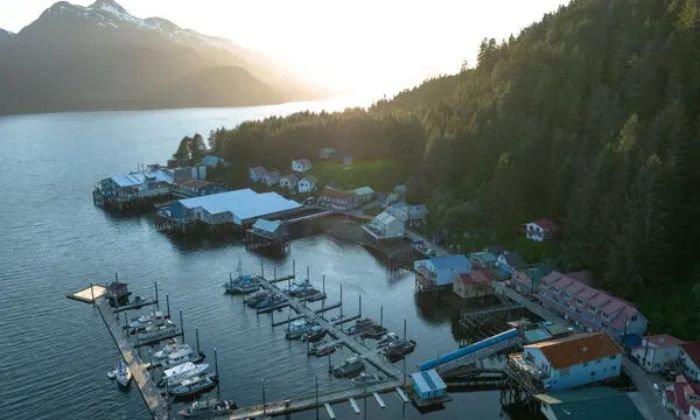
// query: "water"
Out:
[55,352]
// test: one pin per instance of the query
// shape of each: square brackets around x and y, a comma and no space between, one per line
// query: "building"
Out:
[195,188]
[271,178]
[690,360]
[509,262]
[590,308]
[364,194]
[301,165]
[476,283]
[680,396]
[588,403]
[118,293]
[385,226]
[572,361]
[211,161]
[326,153]
[439,271]
[412,215]
[231,208]
[137,189]
[483,259]
[428,385]
[269,236]
[289,181]
[527,281]
[307,184]
[541,230]
[337,199]
[657,352]
[256,173]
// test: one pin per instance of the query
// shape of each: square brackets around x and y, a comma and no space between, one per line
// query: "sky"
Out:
[362,46]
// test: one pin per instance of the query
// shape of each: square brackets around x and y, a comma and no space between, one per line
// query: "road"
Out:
[439,250]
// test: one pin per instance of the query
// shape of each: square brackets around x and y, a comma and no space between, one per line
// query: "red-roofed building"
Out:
[589,308]
[694,411]
[657,352]
[680,396]
[541,230]
[475,283]
[690,358]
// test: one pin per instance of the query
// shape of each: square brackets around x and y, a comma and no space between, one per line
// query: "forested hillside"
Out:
[590,117]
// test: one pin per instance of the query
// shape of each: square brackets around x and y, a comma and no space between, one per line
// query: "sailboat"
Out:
[122,374]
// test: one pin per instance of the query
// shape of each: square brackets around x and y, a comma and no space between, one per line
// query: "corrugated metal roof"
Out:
[451,261]
[267,225]
[364,191]
[577,349]
[130,180]
[428,381]
[244,203]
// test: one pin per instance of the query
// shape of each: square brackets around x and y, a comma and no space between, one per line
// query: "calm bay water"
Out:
[54,352]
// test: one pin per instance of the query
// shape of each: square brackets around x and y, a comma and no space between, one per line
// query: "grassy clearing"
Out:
[381,175]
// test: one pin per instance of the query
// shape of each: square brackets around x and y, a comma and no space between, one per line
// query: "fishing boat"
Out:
[177,374]
[256,298]
[194,386]
[155,333]
[361,325]
[269,301]
[122,374]
[397,351]
[321,349]
[296,329]
[180,357]
[208,409]
[388,339]
[373,331]
[349,368]
[171,346]
[314,333]
[300,287]
[365,379]
[141,322]
[241,285]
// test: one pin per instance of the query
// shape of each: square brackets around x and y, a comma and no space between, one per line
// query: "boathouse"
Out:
[439,271]
[118,293]
[385,226]
[231,209]
[268,236]
[428,385]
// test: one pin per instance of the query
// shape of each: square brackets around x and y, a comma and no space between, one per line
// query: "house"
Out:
[589,308]
[271,178]
[196,188]
[289,181]
[526,281]
[385,226]
[572,361]
[301,165]
[680,396]
[588,403]
[364,194]
[690,359]
[428,385]
[541,230]
[212,161]
[483,259]
[256,173]
[307,184]
[337,199]
[440,271]
[476,283]
[326,153]
[417,215]
[509,262]
[657,352]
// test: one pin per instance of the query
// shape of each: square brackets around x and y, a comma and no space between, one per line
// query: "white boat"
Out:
[146,319]
[298,287]
[157,332]
[296,329]
[174,376]
[180,357]
[122,374]
[169,349]
[349,368]
[365,379]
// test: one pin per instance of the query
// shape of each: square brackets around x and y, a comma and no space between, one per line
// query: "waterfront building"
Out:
[439,271]
[476,283]
[338,199]
[195,188]
[385,226]
[657,352]
[428,385]
[212,161]
[588,403]
[256,173]
[526,281]
[690,359]
[541,230]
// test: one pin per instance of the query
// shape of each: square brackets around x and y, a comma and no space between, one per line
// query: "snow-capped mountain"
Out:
[101,56]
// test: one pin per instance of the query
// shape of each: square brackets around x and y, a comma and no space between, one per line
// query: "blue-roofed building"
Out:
[138,189]
[236,208]
[213,161]
[428,385]
[440,271]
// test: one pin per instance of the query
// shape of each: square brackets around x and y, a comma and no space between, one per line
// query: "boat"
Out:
[373,331]
[242,285]
[157,332]
[122,374]
[397,351]
[388,339]
[112,374]
[361,325]
[349,368]
[209,408]
[180,357]
[256,298]
[142,322]
[321,349]
[268,302]
[296,329]
[299,288]
[365,379]
[314,333]
[193,386]
[177,374]
[170,347]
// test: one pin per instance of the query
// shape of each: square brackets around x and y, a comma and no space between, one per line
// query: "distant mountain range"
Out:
[102,57]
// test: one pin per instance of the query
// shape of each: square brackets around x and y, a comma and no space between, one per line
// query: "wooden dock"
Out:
[141,377]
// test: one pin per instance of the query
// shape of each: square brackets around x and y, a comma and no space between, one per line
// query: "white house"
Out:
[385,226]
[541,230]
[575,360]
[690,358]
[301,165]
[657,352]
[271,178]
[364,194]
[307,184]
[326,153]
[256,173]
[289,181]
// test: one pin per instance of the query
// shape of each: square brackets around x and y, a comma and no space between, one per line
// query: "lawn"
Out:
[381,175]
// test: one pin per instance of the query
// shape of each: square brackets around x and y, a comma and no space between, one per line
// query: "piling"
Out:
[92,293]
[262,269]
[404,329]
[155,286]
[274,273]
[341,301]
[167,303]
[316,378]
[196,334]
[294,268]
[263,394]
[359,298]
[216,362]
[182,327]
[381,316]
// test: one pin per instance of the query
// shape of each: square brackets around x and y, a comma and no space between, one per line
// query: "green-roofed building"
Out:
[598,403]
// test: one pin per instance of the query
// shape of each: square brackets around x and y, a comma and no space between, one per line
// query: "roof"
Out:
[483,256]
[538,334]
[330,192]
[428,381]
[267,225]
[258,170]
[195,183]
[130,180]
[513,259]
[458,262]
[364,191]
[591,403]
[577,349]
[476,277]
[693,351]
[310,179]
[291,177]
[244,203]
[384,218]
[547,224]
[584,277]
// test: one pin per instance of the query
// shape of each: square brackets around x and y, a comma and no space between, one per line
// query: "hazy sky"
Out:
[376,46]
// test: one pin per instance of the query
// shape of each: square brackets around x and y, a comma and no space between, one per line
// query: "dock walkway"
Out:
[141,377]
